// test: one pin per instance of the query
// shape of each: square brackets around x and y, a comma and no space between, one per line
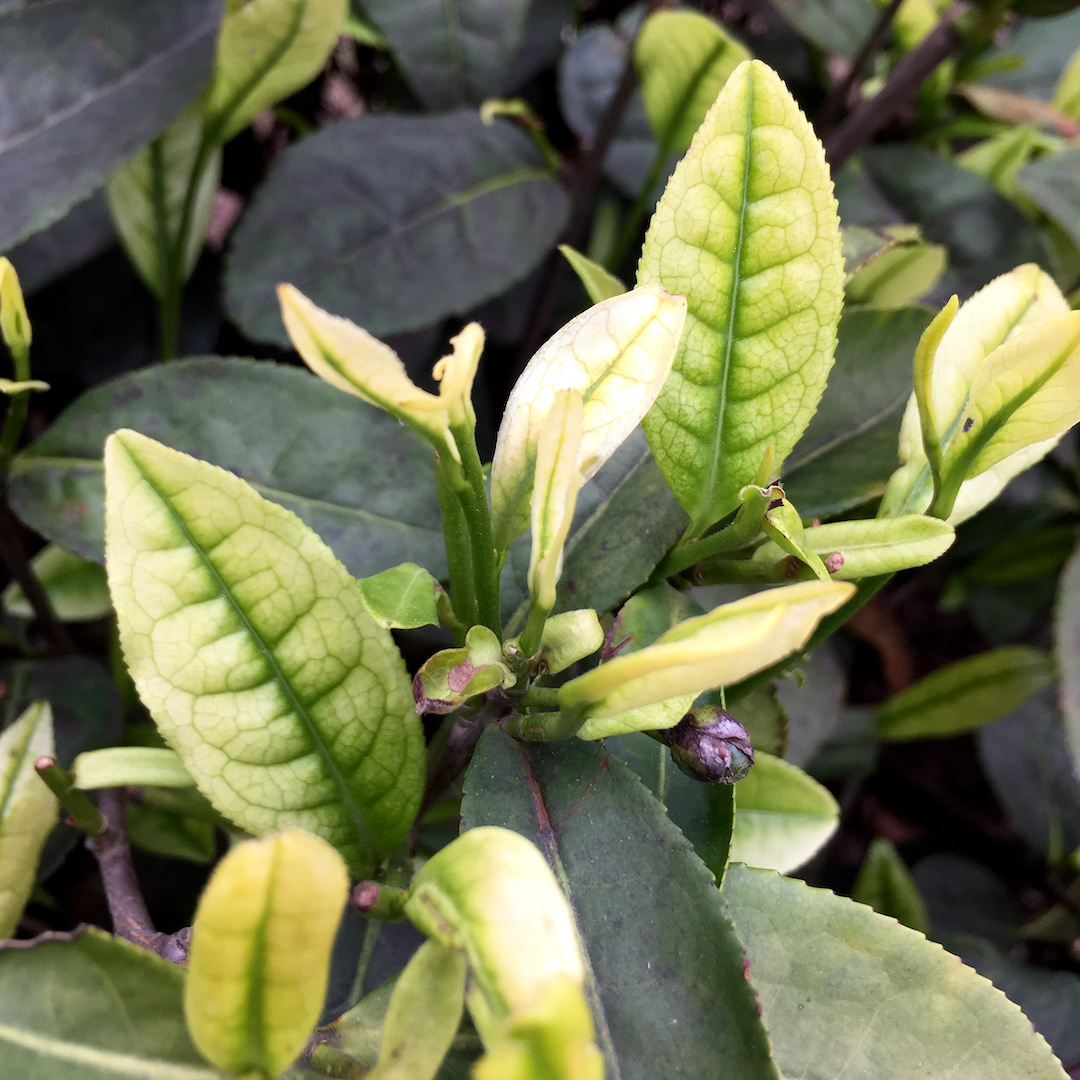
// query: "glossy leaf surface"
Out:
[747,231]
[76,587]
[355,476]
[260,951]
[405,219]
[605,835]
[86,83]
[847,992]
[251,647]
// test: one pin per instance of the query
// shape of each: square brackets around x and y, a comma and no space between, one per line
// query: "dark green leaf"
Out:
[848,450]
[665,979]
[85,83]
[1053,184]
[964,897]
[836,26]
[351,472]
[812,699]
[170,834]
[404,219]
[1043,47]
[453,52]
[885,884]
[984,233]
[95,1008]
[847,993]
[1067,651]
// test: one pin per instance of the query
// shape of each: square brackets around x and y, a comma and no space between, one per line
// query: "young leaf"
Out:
[148,196]
[129,766]
[683,59]
[95,1007]
[402,598]
[225,598]
[782,816]
[15,328]
[845,991]
[885,884]
[76,587]
[661,1008]
[617,356]
[28,809]
[599,283]
[267,49]
[453,676]
[260,951]
[747,230]
[901,273]
[965,695]
[785,529]
[570,637]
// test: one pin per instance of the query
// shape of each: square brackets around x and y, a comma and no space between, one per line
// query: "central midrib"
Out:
[347,799]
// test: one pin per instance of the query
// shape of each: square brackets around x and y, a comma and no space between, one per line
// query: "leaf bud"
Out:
[710,745]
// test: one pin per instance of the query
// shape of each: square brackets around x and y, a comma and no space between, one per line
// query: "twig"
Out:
[902,85]
[835,101]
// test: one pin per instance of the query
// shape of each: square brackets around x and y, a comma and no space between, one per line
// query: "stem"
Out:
[81,809]
[459,551]
[529,642]
[367,950]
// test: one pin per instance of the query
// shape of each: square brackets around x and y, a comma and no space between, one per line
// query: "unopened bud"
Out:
[710,745]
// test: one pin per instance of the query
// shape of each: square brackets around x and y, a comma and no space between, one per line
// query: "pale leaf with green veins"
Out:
[683,59]
[747,229]
[76,587]
[28,809]
[129,766]
[260,951]
[148,197]
[267,49]
[598,282]
[617,356]
[965,695]
[782,816]
[872,546]
[251,647]
[885,884]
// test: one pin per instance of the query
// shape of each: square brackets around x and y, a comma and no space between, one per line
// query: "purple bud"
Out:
[710,745]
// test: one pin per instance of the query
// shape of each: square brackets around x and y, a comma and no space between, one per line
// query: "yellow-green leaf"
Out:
[27,809]
[885,884]
[130,766]
[267,49]
[260,951]
[451,676]
[569,637]
[11,387]
[1067,94]
[599,283]
[683,59]
[402,598]
[722,647]
[251,647]
[747,229]
[617,356]
[76,587]
[14,322]
[782,816]
[900,273]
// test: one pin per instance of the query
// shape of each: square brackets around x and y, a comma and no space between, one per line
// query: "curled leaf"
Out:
[14,322]
[448,679]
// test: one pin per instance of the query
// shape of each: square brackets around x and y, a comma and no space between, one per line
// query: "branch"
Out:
[903,84]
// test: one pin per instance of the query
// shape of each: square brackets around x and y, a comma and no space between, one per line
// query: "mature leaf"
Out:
[27,809]
[85,84]
[1051,183]
[835,26]
[97,1008]
[402,598]
[683,59]
[617,356]
[747,231]
[453,52]
[1067,652]
[130,766]
[353,474]
[1044,47]
[170,833]
[966,694]
[625,866]
[260,951]
[599,283]
[984,234]
[148,196]
[76,587]
[846,992]
[782,816]
[812,699]
[885,884]
[242,606]
[405,219]
[872,546]
[267,49]
[848,450]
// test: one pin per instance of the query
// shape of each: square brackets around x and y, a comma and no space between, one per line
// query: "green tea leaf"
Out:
[402,598]
[747,230]
[1052,185]
[267,49]
[782,816]
[453,52]
[683,59]
[85,84]
[169,833]
[885,884]
[76,587]
[599,283]
[95,1007]
[380,235]
[844,991]
[898,275]
[835,26]
[605,835]
[1067,94]
[260,951]
[28,809]
[312,719]
[147,198]
[965,695]
[130,766]
[363,483]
